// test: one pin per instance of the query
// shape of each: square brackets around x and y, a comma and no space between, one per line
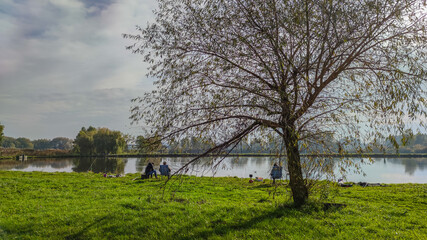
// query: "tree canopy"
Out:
[22,142]
[305,70]
[151,144]
[99,141]
[83,143]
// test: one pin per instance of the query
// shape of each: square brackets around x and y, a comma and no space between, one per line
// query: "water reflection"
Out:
[393,170]
[385,170]
[43,165]
[411,164]
[100,165]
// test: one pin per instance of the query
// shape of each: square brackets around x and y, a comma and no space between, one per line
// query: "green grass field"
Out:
[88,206]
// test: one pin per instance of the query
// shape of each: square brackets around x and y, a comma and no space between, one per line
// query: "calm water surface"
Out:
[384,170]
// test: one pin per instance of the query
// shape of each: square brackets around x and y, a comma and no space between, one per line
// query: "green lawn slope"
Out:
[88,206]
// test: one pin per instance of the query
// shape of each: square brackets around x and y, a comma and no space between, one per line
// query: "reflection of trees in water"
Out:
[239,166]
[215,165]
[39,163]
[62,164]
[411,164]
[120,165]
[260,161]
[175,163]
[205,166]
[21,165]
[239,162]
[13,164]
[140,164]
[199,167]
[54,163]
[99,165]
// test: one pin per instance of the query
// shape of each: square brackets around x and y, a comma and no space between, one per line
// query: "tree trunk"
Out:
[299,190]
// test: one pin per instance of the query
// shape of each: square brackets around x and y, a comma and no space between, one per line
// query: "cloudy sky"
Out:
[63,65]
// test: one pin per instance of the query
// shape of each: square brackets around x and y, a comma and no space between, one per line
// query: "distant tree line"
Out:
[149,145]
[99,141]
[39,144]
[416,144]
[195,145]
[56,143]
[88,141]
[103,141]
[412,144]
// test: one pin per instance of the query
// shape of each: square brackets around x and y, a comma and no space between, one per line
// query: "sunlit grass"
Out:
[86,205]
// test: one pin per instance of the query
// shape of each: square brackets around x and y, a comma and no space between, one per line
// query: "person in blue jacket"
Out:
[276,172]
[165,170]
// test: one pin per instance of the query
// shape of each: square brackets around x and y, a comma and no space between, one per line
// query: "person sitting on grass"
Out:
[276,172]
[149,170]
[165,170]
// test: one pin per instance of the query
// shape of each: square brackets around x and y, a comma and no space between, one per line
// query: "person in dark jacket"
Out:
[149,170]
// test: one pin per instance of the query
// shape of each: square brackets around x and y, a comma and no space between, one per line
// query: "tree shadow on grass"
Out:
[220,227]
[80,234]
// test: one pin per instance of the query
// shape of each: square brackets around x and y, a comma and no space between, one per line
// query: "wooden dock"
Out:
[21,158]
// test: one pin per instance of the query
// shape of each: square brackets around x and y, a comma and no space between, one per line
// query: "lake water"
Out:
[382,170]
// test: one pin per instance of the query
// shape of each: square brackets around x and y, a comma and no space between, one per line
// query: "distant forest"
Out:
[39,144]
[418,144]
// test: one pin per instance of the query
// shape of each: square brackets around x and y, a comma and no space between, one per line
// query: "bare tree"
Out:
[301,69]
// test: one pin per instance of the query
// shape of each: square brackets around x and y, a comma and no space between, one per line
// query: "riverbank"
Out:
[349,155]
[11,153]
[87,205]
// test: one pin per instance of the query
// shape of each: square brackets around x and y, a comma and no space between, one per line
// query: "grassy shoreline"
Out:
[37,205]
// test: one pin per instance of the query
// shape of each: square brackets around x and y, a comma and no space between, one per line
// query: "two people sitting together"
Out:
[164,170]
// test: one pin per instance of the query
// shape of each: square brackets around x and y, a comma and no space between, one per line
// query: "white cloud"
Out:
[64,65]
